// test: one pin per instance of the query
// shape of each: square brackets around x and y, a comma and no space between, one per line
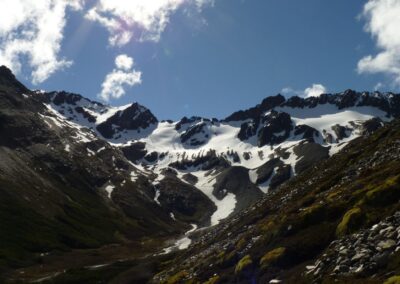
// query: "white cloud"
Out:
[123,75]
[314,91]
[32,31]
[143,20]
[383,23]
[124,62]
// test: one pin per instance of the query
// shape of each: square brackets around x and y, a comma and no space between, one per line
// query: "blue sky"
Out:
[216,58]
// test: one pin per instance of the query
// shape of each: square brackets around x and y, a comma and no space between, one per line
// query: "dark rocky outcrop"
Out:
[205,162]
[306,131]
[185,120]
[254,113]
[8,82]
[199,129]
[309,154]
[276,128]
[236,180]
[186,202]
[135,151]
[135,117]
[265,171]
[340,132]
[371,125]
[282,174]
[248,129]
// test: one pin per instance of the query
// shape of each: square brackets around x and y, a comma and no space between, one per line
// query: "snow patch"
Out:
[182,243]
[158,193]
[67,148]
[109,189]
[224,207]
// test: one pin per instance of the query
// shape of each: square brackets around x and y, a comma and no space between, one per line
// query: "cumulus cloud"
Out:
[124,62]
[141,19]
[31,33]
[313,91]
[383,23]
[123,75]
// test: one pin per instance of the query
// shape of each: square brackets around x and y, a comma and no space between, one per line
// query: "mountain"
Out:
[86,187]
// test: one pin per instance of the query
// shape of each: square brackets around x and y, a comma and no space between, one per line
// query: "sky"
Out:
[201,57]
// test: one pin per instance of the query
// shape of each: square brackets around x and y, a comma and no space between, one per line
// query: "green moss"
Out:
[349,222]
[244,263]
[226,259]
[267,226]
[177,278]
[384,194]
[393,280]
[272,257]
[241,244]
[312,215]
[212,280]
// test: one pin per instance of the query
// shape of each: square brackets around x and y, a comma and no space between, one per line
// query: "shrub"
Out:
[244,263]
[349,222]
[272,257]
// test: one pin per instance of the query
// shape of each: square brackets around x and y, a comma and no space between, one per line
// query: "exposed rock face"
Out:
[186,202]
[254,113]
[205,162]
[248,129]
[306,131]
[236,180]
[275,129]
[135,117]
[371,125]
[189,121]
[265,172]
[60,98]
[135,151]
[309,154]
[340,132]
[195,135]
[9,83]
[283,173]
[85,114]
[274,171]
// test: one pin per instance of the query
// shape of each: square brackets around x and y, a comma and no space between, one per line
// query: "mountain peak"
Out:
[8,80]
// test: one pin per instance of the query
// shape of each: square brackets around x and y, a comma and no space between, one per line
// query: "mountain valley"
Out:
[277,193]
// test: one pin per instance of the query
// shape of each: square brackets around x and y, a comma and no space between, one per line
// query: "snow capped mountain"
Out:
[264,146]
[195,163]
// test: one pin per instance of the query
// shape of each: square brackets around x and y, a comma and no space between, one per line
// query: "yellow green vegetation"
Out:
[385,193]
[272,257]
[245,262]
[224,259]
[241,244]
[267,226]
[312,214]
[393,280]
[349,221]
[212,280]
[177,278]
